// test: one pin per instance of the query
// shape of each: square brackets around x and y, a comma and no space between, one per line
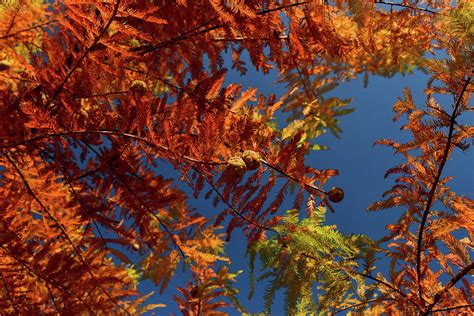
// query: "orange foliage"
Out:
[95,95]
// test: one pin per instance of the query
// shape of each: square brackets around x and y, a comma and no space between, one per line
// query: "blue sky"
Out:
[361,169]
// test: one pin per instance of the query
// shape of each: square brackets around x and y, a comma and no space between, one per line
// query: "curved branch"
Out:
[78,198]
[52,298]
[150,143]
[12,22]
[368,276]
[196,30]
[100,95]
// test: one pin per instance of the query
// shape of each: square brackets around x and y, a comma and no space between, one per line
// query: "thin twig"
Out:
[451,308]
[300,73]
[8,294]
[28,29]
[287,6]
[368,276]
[406,6]
[99,95]
[46,281]
[236,212]
[246,38]
[106,132]
[196,30]
[79,199]
[290,176]
[12,22]
[56,307]
[142,203]
[186,35]
[364,303]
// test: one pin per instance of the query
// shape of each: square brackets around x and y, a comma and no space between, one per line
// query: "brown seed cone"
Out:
[236,167]
[336,195]
[251,159]
[138,86]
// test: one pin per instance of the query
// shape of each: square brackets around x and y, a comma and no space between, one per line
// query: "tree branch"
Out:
[449,285]
[368,276]
[282,7]
[78,61]
[28,29]
[150,143]
[406,6]
[236,212]
[106,132]
[195,30]
[100,95]
[431,194]
[78,198]
[452,308]
[12,22]
[43,279]
[364,303]
[8,295]
[61,228]
[290,176]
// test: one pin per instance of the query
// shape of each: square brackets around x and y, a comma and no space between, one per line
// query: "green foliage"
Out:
[133,273]
[459,22]
[307,254]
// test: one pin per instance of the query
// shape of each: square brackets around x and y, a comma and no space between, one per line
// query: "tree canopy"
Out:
[96,96]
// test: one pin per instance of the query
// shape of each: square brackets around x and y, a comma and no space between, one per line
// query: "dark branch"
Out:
[291,177]
[78,198]
[8,295]
[99,95]
[28,29]
[79,61]
[60,226]
[449,285]
[452,308]
[46,281]
[406,6]
[198,31]
[287,6]
[12,22]
[236,212]
[106,132]
[368,276]
[364,303]
[431,194]
[140,200]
